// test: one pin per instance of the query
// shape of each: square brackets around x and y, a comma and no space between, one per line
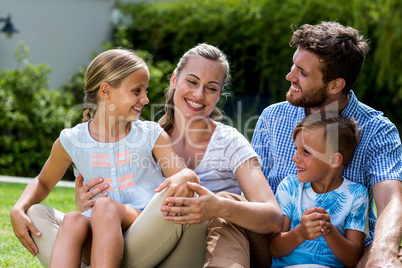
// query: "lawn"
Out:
[12,253]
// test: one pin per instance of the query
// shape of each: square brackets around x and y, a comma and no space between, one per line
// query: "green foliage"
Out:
[13,254]
[32,116]
[255,35]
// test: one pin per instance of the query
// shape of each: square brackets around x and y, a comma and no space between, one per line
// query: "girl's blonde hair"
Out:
[111,66]
[204,50]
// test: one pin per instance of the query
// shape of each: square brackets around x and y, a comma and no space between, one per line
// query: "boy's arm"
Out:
[347,249]
[279,245]
[287,241]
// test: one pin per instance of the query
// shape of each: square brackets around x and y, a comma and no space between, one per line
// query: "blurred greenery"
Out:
[32,116]
[253,33]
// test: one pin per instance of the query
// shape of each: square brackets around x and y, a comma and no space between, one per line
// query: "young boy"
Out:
[324,214]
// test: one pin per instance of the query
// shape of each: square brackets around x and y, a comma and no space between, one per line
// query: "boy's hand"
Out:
[310,223]
[326,222]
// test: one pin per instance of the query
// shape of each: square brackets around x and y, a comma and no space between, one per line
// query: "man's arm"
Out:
[388,229]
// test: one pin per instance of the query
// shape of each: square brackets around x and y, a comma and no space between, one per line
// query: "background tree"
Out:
[253,33]
[255,36]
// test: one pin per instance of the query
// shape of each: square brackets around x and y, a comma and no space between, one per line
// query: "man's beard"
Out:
[314,98]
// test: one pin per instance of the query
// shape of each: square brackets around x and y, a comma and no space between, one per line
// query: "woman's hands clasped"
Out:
[177,186]
[190,210]
[180,206]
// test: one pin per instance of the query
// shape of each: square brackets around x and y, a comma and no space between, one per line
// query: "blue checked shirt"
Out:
[378,156]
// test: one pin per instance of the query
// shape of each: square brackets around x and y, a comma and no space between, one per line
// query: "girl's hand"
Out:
[23,226]
[189,210]
[84,196]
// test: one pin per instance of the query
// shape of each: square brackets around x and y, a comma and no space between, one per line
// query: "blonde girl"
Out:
[111,145]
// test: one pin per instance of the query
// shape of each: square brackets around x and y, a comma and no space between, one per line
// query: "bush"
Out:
[255,35]
[32,116]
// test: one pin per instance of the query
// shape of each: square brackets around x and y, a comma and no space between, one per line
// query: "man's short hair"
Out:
[341,50]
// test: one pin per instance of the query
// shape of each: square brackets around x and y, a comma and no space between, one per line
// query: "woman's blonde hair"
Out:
[209,52]
[111,66]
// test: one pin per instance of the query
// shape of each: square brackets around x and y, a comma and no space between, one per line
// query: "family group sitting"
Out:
[189,191]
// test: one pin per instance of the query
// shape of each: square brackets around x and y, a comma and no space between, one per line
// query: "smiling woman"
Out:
[198,89]
[215,85]
[219,155]
[222,159]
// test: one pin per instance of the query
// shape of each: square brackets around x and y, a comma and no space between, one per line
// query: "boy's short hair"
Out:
[340,133]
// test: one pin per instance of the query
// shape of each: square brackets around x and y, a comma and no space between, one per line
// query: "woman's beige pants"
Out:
[149,242]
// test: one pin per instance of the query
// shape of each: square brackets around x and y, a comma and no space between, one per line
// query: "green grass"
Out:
[12,253]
